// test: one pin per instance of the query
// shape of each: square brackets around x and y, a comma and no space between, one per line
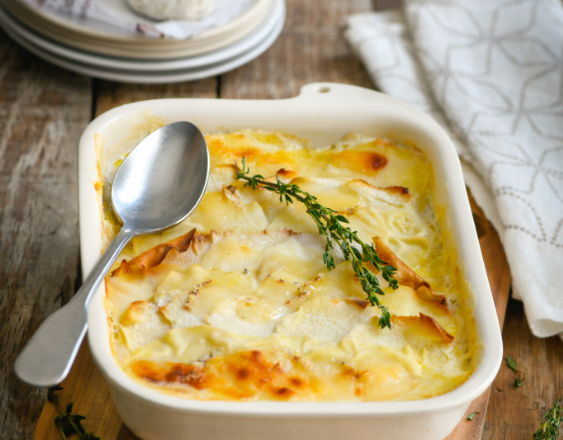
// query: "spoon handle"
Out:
[46,359]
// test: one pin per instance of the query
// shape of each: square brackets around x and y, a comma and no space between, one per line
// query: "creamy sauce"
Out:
[250,311]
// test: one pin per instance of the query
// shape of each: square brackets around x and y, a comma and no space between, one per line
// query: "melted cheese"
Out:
[250,311]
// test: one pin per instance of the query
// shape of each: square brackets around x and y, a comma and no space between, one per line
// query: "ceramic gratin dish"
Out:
[322,113]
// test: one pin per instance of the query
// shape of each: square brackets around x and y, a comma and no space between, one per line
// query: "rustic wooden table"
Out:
[43,110]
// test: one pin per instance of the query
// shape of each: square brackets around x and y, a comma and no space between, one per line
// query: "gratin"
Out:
[235,303]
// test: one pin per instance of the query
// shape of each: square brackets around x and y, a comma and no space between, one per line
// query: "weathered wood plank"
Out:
[43,110]
[381,5]
[310,49]
[109,94]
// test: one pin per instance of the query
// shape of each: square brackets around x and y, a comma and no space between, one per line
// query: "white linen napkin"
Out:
[118,14]
[491,73]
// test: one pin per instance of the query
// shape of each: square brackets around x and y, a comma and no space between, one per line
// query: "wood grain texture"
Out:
[43,110]
[498,274]
[311,48]
[109,94]
[90,394]
[381,5]
[515,414]
[498,271]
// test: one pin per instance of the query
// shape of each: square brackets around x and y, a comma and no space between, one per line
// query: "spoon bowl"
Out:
[158,185]
[163,179]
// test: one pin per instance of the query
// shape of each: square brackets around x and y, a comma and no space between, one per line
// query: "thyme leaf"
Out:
[511,363]
[332,226]
[472,415]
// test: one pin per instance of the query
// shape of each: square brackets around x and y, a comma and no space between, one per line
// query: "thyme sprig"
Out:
[551,422]
[67,422]
[331,226]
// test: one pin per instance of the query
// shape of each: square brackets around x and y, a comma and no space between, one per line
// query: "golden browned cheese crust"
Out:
[235,303]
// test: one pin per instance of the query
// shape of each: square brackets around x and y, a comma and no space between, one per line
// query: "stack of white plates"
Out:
[97,49]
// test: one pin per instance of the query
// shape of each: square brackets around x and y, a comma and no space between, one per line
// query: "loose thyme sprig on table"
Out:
[330,224]
[551,422]
[67,422]
[519,381]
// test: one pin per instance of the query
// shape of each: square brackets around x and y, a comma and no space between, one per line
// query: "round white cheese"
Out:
[173,9]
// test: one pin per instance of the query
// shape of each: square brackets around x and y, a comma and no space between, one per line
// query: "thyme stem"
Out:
[67,422]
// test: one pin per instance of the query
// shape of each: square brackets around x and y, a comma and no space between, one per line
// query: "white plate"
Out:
[158,77]
[96,29]
[253,39]
[138,46]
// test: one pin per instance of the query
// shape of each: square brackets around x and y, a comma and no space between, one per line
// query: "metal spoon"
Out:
[158,185]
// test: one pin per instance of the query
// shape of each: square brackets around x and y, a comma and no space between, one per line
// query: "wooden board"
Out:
[516,413]
[498,273]
[90,393]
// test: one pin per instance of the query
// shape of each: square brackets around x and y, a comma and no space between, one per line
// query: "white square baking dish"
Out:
[323,113]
